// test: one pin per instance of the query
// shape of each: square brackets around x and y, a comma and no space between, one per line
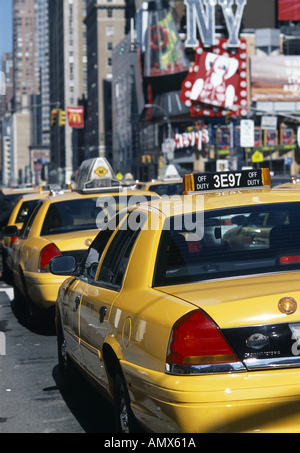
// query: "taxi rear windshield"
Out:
[230,242]
[86,213]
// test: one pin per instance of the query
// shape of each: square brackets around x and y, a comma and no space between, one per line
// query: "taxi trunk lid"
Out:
[250,313]
[70,243]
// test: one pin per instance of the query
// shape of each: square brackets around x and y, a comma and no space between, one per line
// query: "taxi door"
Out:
[74,289]
[99,298]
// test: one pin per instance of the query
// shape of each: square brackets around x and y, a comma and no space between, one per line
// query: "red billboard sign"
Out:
[76,117]
[288,10]
[217,82]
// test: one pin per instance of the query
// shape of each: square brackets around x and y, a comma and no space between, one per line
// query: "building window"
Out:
[109,30]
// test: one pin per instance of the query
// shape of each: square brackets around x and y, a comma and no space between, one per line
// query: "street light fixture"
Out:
[169,142]
[166,116]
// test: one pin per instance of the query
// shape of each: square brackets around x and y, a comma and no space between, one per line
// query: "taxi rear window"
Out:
[86,213]
[230,242]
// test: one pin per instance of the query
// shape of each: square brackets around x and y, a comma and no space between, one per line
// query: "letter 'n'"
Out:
[201,14]
[204,18]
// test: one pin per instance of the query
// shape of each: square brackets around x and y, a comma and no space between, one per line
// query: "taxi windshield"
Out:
[86,213]
[230,242]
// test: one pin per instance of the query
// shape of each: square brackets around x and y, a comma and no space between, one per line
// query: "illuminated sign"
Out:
[193,138]
[217,82]
[200,14]
[226,180]
[75,117]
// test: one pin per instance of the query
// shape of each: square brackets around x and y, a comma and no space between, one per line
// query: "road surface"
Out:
[31,400]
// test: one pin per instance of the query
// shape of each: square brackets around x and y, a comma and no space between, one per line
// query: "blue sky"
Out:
[5,26]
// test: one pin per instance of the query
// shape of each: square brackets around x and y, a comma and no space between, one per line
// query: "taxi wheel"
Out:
[124,418]
[20,306]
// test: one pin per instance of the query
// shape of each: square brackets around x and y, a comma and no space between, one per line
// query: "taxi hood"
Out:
[243,301]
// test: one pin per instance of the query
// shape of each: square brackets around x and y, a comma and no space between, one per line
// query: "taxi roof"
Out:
[33,196]
[157,182]
[293,185]
[222,199]
[117,191]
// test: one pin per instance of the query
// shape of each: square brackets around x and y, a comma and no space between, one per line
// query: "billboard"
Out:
[217,82]
[288,10]
[75,117]
[275,78]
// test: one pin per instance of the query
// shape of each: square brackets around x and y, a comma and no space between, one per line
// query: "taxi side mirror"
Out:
[63,265]
[10,231]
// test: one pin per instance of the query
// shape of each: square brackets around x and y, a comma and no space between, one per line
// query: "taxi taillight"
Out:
[48,252]
[14,239]
[195,341]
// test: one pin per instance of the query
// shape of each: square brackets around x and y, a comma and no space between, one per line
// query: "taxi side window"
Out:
[115,263]
[97,247]
[26,227]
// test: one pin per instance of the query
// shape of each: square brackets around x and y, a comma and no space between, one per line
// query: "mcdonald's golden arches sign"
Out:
[76,117]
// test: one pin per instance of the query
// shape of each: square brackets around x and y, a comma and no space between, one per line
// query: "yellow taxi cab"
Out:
[15,192]
[22,209]
[169,182]
[293,184]
[181,334]
[59,224]
[168,188]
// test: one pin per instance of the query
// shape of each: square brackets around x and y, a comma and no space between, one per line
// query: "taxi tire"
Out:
[20,306]
[125,421]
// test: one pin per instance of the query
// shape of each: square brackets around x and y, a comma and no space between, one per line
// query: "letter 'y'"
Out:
[202,14]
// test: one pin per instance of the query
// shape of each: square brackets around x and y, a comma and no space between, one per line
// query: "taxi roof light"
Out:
[98,186]
[227,180]
[197,340]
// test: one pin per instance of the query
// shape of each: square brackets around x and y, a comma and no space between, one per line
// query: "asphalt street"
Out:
[31,399]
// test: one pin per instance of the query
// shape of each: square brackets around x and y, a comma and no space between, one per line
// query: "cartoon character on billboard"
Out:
[217,81]
[213,85]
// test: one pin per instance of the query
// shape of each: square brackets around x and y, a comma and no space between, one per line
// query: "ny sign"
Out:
[201,14]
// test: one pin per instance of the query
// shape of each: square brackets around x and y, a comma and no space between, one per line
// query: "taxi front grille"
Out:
[266,346]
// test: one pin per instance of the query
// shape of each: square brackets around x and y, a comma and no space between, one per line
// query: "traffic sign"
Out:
[257,157]
[247,133]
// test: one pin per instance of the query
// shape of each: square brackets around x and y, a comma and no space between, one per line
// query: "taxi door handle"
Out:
[77,303]
[102,314]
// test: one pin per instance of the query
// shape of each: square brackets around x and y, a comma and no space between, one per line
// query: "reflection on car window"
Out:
[256,239]
[25,210]
[29,221]
[93,255]
[85,214]
[117,257]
